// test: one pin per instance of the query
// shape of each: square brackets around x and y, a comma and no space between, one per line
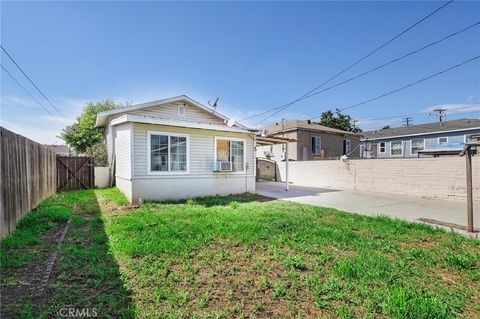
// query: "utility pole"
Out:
[441,113]
[407,121]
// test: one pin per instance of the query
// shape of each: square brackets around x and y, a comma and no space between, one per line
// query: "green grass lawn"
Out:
[243,256]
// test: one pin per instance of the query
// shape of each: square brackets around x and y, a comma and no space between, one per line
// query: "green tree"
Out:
[386,127]
[338,120]
[82,136]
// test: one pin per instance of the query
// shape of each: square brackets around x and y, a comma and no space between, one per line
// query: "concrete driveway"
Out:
[443,213]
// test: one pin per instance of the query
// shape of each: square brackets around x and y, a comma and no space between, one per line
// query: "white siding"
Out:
[201,149]
[192,113]
[123,163]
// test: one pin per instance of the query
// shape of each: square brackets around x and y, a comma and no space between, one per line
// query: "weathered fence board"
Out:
[27,176]
[75,173]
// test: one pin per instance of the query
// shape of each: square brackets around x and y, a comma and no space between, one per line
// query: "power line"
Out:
[44,96]
[280,108]
[410,84]
[26,91]
[410,115]
[394,60]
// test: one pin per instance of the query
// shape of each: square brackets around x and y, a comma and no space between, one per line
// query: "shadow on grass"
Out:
[230,200]
[85,280]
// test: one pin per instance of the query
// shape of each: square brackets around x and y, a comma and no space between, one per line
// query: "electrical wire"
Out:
[30,94]
[31,81]
[280,108]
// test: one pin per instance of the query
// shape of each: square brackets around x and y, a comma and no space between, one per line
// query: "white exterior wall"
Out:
[102,174]
[123,154]
[443,177]
[201,149]
[201,180]
[170,111]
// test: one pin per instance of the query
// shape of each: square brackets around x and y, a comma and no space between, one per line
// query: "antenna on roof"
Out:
[214,106]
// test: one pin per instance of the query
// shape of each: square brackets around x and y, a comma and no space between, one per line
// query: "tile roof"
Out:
[424,128]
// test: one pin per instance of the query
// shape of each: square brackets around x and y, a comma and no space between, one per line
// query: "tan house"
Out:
[314,142]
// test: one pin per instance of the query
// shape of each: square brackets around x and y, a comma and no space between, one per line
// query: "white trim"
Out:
[379,148]
[215,138]
[320,138]
[131,150]
[103,116]
[398,155]
[169,172]
[418,134]
[176,123]
[438,140]
[411,145]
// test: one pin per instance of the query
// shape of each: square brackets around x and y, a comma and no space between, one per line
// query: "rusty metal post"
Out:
[469,192]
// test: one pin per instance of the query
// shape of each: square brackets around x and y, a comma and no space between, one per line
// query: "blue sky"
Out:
[253,55]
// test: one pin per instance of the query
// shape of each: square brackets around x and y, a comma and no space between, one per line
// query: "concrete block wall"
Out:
[443,177]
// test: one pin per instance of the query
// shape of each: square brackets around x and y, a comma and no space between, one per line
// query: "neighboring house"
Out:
[314,142]
[407,141]
[61,150]
[177,148]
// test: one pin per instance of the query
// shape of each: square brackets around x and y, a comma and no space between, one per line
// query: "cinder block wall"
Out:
[443,177]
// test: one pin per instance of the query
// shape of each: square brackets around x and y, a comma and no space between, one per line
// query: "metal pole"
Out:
[469,192]
[286,166]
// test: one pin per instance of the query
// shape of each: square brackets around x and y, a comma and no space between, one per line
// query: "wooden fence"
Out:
[27,176]
[75,172]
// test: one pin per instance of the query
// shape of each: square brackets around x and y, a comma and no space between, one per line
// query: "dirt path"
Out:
[24,287]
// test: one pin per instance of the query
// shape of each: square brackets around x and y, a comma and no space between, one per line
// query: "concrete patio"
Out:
[404,207]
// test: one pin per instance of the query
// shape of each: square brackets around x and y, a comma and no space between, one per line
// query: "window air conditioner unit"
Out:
[224,166]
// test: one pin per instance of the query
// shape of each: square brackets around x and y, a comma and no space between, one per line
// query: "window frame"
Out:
[348,144]
[227,138]
[438,140]
[411,145]
[380,147]
[149,153]
[401,149]
[184,110]
[320,139]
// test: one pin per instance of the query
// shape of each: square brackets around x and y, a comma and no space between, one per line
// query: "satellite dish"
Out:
[231,122]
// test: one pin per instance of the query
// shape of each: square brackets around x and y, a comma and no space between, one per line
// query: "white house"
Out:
[177,148]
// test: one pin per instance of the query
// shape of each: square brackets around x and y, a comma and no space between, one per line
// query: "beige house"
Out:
[314,142]
[177,148]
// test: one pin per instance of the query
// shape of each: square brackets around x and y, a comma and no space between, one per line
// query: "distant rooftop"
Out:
[455,125]
[307,125]
[59,149]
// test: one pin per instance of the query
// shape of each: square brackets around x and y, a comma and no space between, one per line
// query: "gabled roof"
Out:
[307,125]
[422,129]
[102,117]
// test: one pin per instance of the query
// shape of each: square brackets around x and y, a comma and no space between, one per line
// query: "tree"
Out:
[386,127]
[83,137]
[338,120]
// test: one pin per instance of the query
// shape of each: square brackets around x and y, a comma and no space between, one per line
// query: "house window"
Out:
[347,147]
[181,110]
[316,145]
[417,145]
[396,148]
[230,150]
[442,140]
[382,147]
[168,153]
